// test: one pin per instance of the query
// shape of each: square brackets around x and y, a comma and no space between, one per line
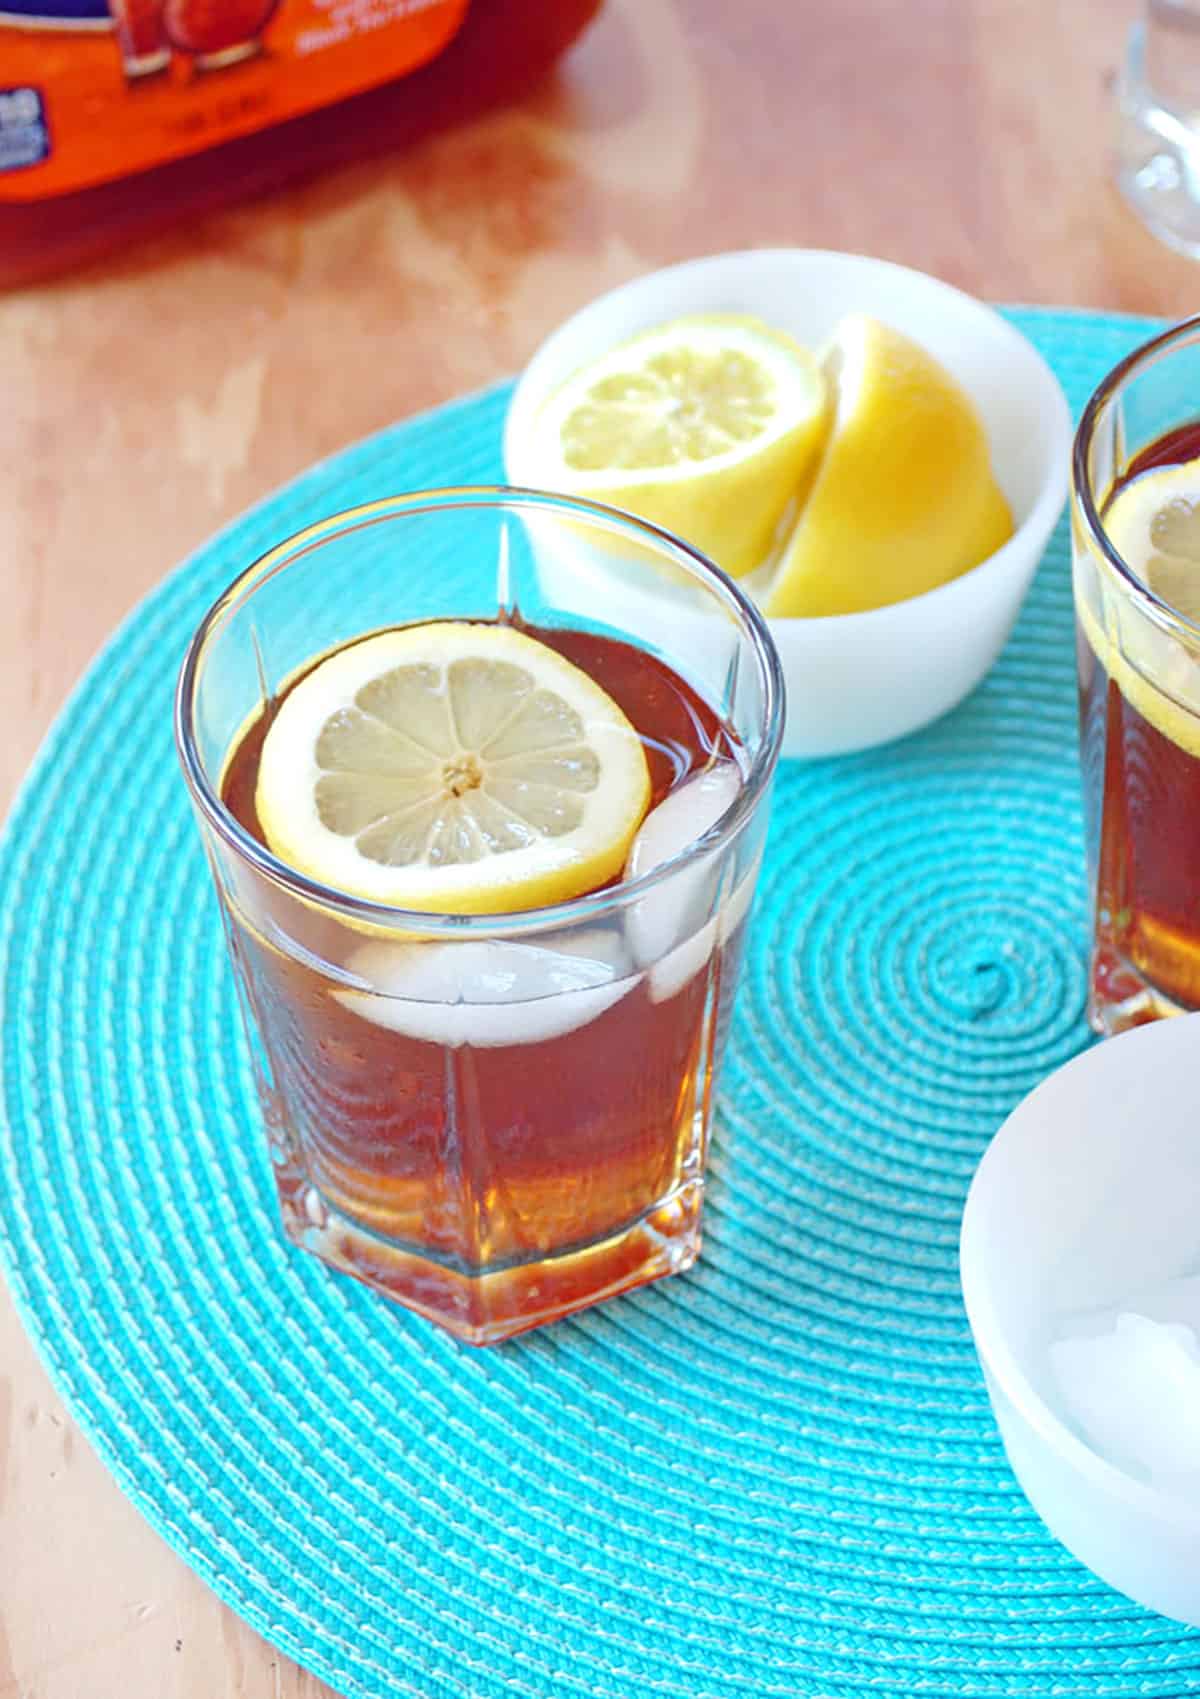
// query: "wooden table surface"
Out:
[143,404]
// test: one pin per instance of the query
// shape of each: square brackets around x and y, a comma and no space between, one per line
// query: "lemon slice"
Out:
[453,767]
[706,426]
[1154,525]
[904,497]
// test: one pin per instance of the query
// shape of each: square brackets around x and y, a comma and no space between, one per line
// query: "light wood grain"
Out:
[144,403]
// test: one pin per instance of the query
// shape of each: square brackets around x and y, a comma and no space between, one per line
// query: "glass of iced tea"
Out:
[1136,533]
[482,775]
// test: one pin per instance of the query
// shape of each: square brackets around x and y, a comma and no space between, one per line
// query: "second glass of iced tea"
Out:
[496,1118]
[1135,511]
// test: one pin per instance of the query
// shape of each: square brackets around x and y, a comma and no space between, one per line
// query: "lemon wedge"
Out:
[1154,524]
[453,767]
[904,497]
[706,426]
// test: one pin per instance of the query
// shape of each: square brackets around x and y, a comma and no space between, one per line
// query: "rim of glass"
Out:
[1146,353]
[494,496]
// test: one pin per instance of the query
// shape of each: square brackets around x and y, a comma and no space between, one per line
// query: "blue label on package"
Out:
[54,11]
[24,133]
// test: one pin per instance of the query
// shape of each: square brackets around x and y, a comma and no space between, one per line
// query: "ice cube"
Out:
[740,898]
[678,910]
[1134,1393]
[489,991]
[671,973]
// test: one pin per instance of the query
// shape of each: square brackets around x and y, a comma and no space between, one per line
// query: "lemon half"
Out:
[706,426]
[904,497]
[453,767]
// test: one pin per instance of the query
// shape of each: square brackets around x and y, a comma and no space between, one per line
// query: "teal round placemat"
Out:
[776,1475]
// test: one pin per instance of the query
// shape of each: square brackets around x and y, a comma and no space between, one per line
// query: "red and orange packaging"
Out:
[117,116]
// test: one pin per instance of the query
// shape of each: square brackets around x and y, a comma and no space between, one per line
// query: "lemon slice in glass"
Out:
[1154,524]
[904,498]
[454,767]
[706,426]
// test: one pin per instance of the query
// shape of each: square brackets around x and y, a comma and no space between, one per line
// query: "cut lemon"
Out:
[706,426]
[1154,525]
[453,767]
[904,497]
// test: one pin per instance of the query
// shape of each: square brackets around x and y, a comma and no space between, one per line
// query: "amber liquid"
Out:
[497,1186]
[1142,810]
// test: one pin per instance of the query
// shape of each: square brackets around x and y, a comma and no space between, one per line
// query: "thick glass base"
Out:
[486,1306]
[1119,997]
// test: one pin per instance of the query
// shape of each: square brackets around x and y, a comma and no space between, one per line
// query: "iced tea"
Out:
[499,1152]
[497,1120]
[1138,648]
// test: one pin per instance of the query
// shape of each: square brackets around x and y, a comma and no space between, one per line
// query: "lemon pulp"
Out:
[452,767]
[1154,524]
[904,497]
[706,426]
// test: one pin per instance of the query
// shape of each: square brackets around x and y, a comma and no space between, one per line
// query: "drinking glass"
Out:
[493,1119]
[1139,692]
[1158,122]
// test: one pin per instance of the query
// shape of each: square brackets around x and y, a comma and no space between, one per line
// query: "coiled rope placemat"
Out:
[776,1475]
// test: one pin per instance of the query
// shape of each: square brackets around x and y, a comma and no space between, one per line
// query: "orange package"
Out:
[117,116]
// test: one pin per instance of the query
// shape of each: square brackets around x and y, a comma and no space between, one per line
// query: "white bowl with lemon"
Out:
[878,457]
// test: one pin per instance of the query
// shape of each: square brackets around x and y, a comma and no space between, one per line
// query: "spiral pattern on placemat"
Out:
[776,1475]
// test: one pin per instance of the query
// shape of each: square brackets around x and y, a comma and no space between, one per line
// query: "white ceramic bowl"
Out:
[860,679]
[1086,1198]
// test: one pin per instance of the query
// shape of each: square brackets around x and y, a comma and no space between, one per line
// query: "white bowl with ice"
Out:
[853,680]
[1080,1261]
